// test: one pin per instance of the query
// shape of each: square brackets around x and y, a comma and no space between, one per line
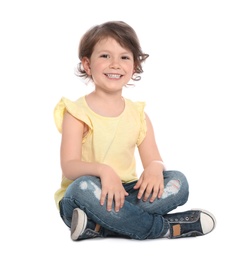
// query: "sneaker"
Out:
[78,223]
[190,223]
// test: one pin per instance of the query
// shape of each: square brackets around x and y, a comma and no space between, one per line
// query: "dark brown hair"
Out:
[122,33]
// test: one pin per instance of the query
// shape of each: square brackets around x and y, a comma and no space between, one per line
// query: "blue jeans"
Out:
[136,219]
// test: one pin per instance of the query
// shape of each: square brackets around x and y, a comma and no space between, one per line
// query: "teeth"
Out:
[114,76]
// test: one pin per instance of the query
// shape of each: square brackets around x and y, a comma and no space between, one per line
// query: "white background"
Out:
[195,87]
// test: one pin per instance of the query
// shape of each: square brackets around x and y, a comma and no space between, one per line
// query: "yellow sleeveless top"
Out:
[110,140]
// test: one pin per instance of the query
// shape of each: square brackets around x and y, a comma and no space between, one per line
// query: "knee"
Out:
[84,186]
[177,176]
[176,184]
[183,192]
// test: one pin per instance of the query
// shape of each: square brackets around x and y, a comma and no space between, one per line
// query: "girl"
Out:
[101,194]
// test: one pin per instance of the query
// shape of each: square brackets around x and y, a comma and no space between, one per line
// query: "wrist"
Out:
[101,168]
[161,163]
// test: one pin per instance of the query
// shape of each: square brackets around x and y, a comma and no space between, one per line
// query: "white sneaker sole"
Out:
[78,223]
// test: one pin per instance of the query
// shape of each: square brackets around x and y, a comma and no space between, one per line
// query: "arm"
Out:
[71,150]
[73,167]
[151,181]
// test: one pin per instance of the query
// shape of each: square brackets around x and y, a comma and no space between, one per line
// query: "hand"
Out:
[151,182]
[112,189]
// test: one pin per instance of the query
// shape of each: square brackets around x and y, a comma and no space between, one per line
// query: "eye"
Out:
[104,56]
[125,58]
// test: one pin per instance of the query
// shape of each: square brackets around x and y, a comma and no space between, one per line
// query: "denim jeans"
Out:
[137,219]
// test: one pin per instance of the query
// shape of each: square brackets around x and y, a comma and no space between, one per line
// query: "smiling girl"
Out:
[101,194]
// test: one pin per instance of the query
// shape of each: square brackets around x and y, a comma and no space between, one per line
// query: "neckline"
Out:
[106,117]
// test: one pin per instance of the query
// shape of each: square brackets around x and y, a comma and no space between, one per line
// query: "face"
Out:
[110,65]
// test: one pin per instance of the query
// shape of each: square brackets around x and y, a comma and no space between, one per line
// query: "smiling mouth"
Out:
[113,76]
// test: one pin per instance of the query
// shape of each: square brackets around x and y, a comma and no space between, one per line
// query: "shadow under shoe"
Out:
[190,223]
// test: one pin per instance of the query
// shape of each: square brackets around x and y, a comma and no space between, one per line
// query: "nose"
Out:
[114,64]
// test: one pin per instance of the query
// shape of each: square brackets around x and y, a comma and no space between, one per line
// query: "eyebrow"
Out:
[105,50]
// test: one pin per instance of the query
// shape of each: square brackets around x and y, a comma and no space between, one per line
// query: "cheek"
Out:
[97,67]
[130,68]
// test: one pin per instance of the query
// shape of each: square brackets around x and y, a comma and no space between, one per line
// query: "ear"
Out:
[86,65]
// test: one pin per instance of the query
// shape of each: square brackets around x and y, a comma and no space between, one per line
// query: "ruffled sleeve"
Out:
[75,108]
[143,128]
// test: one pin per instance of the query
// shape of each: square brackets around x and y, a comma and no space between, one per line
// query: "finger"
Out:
[140,193]
[109,202]
[137,185]
[161,191]
[122,199]
[117,198]
[154,194]
[147,193]
[103,198]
